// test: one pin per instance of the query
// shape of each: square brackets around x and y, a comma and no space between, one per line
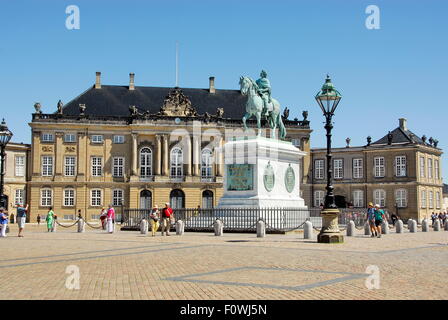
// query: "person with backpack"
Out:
[167,213]
[379,217]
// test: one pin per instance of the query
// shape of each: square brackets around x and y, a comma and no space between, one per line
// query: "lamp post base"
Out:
[330,230]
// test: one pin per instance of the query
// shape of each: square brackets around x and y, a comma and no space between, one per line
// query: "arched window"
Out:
[177,199]
[379,197]
[145,163]
[206,163]
[207,199]
[145,199]
[176,163]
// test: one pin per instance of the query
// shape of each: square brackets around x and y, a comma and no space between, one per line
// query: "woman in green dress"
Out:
[50,219]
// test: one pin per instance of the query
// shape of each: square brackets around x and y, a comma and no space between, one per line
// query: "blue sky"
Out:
[397,71]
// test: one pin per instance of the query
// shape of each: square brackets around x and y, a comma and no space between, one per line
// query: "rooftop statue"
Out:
[261,104]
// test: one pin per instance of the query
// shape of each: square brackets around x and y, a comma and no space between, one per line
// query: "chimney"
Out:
[403,125]
[211,84]
[131,81]
[98,80]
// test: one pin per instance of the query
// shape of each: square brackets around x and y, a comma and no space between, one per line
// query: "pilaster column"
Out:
[219,165]
[188,156]
[158,159]
[134,155]
[196,156]
[166,153]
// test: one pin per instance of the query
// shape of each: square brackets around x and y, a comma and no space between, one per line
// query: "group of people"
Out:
[21,219]
[165,217]
[107,218]
[441,216]
[375,216]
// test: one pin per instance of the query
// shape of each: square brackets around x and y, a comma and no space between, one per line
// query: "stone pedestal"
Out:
[437,225]
[308,230]
[180,227]
[399,226]
[81,225]
[425,225]
[218,228]
[351,229]
[261,229]
[385,227]
[330,232]
[144,226]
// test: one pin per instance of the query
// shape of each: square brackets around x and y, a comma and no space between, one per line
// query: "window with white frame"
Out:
[46,197]
[358,198]
[379,197]
[20,166]
[145,163]
[118,166]
[206,163]
[437,200]
[97,166]
[423,199]
[358,168]
[70,166]
[47,137]
[422,167]
[401,198]
[319,198]
[431,199]
[430,168]
[338,168]
[69,137]
[436,169]
[379,168]
[319,169]
[97,138]
[47,166]
[95,197]
[176,162]
[400,166]
[117,197]
[69,197]
[118,139]
[295,142]
[19,196]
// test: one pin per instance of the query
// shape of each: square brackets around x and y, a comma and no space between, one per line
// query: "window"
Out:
[69,217]
[379,197]
[431,199]
[69,137]
[19,196]
[379,170]
[118,166]
[296,142]
[117,197]
[46,196]
[47,137]
[357,168]
[423,199]
[319,169]
[177,199]
[319,196]
[436,169]
[176,162]
[118,139]
[69,166]
[422,167]
[338,168]
[206,163]
[47,166]
[207,199]
[97,138]
[401,198]
[20,166]
[145,199]
[145,163]
[400,166]
[97,166]
[69,197]
[437,200]
[430,168]
[358,198]
[95,197]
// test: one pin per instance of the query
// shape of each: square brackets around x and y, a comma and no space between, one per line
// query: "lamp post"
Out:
[328,99]
[5,137]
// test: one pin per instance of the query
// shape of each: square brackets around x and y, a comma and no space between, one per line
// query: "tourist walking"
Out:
[3,222]
[433,218]
[110,219]
[50,220]
[103,217]
[21,218]
[371,219]
[154,217]
[379,217]
[166,219]
[38,218]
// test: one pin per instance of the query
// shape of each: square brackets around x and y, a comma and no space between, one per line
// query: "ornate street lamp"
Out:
[328,99]
[5,137]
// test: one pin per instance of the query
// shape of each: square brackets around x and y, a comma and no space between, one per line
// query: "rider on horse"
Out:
[264,90]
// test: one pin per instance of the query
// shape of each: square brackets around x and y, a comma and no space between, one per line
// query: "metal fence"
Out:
[245,219]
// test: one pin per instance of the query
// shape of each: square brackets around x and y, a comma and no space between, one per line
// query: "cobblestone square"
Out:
[128,265]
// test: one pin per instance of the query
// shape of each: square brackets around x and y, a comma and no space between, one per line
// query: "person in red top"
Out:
[167,212]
